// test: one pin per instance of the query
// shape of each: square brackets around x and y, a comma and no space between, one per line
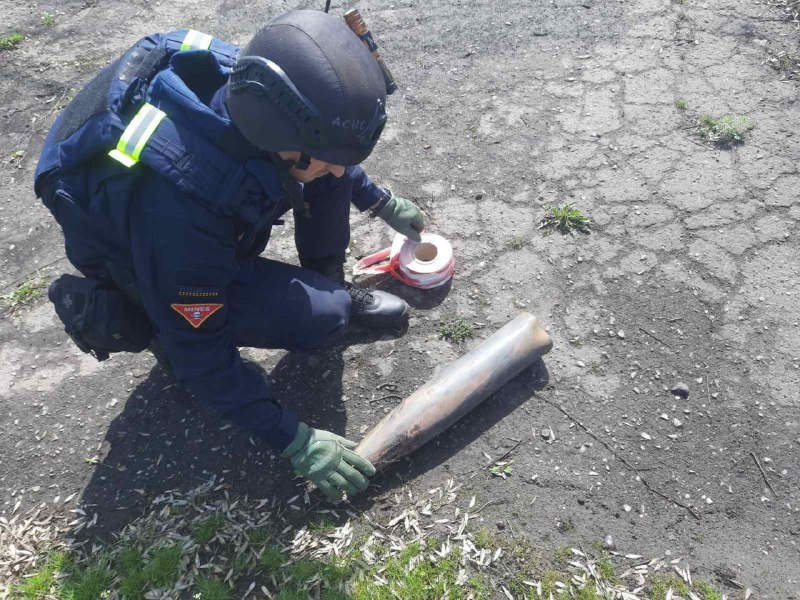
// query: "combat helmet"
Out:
[306,82]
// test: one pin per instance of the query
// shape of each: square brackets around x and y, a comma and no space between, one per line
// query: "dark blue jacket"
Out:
[184,223]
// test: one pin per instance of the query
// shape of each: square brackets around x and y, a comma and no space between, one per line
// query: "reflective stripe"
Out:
[137,134]
[196,40]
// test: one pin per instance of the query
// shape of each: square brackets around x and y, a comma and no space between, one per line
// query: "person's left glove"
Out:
[328,460]
[401,215]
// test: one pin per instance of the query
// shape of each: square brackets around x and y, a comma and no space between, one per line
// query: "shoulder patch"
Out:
[196,314]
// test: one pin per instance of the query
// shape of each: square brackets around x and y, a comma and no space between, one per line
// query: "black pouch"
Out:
[99,319]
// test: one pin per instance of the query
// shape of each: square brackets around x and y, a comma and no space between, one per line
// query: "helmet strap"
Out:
[302,163]
[292,188]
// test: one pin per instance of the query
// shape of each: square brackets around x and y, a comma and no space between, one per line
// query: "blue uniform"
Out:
[186,228]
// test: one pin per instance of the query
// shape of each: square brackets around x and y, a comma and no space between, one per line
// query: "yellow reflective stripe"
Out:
[149,129]
[137,134]
[124,141]
[196,40]
[123,158]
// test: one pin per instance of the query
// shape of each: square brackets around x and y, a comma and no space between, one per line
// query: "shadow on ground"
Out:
[166,440]
[450,442]
[417,298]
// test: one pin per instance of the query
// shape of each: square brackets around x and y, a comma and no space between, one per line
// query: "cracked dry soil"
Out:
[690,275]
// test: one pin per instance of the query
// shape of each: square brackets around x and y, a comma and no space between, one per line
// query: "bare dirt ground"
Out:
[690,275]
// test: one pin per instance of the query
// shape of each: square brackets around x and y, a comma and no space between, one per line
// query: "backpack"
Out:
[150,106]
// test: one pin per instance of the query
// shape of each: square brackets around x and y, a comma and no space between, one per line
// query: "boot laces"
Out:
[359,295]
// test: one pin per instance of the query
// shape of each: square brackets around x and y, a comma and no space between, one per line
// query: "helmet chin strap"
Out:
[302,163]
[293,188]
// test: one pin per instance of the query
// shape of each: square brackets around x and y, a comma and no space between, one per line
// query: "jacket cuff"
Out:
[299,442]
[284,431]
[366,194]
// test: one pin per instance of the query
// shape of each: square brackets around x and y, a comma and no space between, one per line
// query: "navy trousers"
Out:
[277,305]
[284,306]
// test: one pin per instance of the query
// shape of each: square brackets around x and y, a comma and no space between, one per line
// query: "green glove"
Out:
[401,215]
[329,461]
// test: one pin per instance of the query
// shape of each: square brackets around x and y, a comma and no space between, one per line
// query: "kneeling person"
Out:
[167,174]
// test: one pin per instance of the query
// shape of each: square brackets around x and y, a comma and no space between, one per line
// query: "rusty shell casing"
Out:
[456,390]
[358,26]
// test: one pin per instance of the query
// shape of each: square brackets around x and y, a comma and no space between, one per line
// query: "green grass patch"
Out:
[566,525]
[502,470]
[291,593]
[338,571]
[549,580]
[588,593]
[258,536]
[427,580]
[211,588]
[478,587]
[88,583]
[161,569]
[23,294]
[606,569]
[61,579]
[303,570]
[139,561]
[485,539]
[130,566]
[727,130]
[709,591]
[517,243]
[204,531]
[566,219]
[660,585]
[324,524]
[563,554]
[11,41]
[456,330]
[48,19]
[681,104]
[42,581]
[271,560]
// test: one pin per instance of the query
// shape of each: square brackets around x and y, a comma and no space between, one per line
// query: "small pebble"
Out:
[680,389]
[609,542]
[621,334]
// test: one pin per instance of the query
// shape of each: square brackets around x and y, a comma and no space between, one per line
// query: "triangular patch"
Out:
[196,314]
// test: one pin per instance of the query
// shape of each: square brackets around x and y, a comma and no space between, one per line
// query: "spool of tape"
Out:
[425,265]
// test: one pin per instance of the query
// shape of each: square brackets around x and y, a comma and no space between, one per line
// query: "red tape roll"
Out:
[425,265]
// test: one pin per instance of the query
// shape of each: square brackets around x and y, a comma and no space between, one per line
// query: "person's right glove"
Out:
[401,215]
[328,460]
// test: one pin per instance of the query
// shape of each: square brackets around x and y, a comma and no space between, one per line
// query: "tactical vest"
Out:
[151,106]
[149,111]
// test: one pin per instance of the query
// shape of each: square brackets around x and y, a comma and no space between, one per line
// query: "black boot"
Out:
[374,308]
[369,308]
